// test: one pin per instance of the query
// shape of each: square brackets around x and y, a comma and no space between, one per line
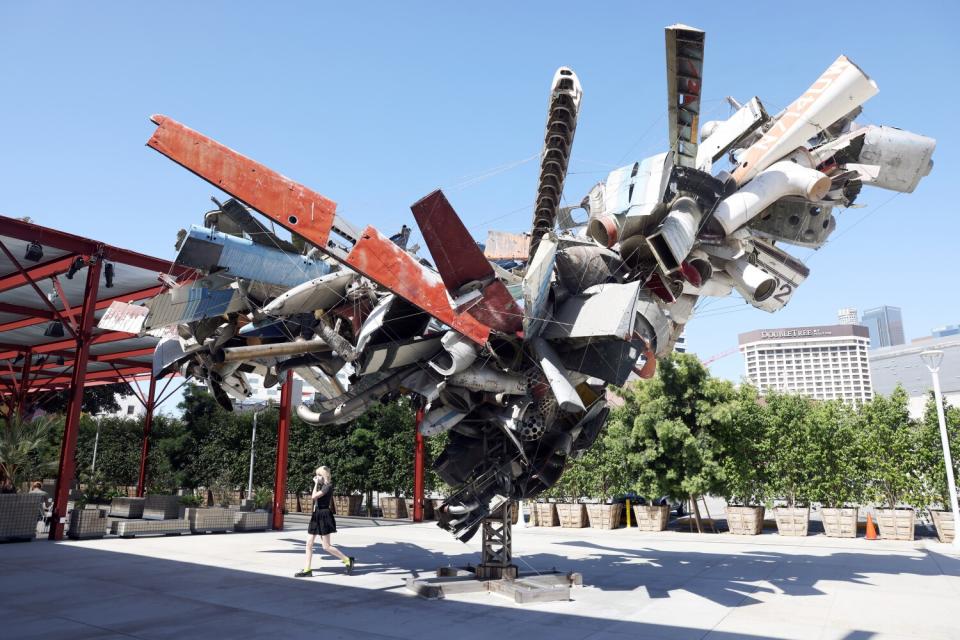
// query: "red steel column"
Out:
[418,469]
[24,385]
[145,448]
[68,447]
[283,437]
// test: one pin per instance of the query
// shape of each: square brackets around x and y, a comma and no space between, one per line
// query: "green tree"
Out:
[99,399]
[933,467]
[21,443]
[673,421]
[791,455]
[837,462]
[891,441]
[745,443]
[601,471]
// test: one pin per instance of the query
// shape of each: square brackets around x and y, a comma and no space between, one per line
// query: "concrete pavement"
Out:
[666,585]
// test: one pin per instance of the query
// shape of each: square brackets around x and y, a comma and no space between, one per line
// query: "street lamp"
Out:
[932,359]
[256,408]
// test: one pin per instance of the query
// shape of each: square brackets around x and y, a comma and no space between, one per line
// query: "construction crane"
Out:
[718,356]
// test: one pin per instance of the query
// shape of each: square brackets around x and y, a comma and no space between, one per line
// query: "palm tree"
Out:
[21,443]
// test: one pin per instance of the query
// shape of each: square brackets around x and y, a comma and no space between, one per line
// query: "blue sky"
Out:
[375,105]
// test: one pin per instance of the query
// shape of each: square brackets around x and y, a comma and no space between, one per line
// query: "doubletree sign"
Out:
[795,333]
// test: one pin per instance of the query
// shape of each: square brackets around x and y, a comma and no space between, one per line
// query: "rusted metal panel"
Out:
[123,316]
[455,253]
[388,265]
[290,204]
[463,267]
[502,245]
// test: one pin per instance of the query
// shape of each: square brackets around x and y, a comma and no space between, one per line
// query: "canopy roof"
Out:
[43,285]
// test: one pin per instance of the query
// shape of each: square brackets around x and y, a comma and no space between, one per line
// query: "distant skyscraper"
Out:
[848,316]
[885,325]
[946,330]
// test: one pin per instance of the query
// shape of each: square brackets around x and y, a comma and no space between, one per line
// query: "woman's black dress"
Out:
[322,522]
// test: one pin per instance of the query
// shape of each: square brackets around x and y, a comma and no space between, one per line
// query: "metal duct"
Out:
[356,405]
[564,107]
[752,282]
[251,352]
[785,178]
[481,378]
[839,90]
[557,376]
[672,242]
[457,355]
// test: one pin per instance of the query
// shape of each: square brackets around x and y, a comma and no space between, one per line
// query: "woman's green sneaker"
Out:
[306,573]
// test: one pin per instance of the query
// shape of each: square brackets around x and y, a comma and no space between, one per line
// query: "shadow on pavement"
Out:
[68,591]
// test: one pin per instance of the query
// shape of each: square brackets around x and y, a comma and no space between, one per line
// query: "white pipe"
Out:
[557,376]
[839,90]
[784,178]
[490,380]
[752,282]
[458,354]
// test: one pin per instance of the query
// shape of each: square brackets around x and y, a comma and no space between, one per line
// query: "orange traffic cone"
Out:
[871,530]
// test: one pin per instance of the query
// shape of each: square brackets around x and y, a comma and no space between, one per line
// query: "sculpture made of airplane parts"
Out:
[511,351]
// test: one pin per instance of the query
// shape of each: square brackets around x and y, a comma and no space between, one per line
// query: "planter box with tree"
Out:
[672,424]
[838,481]
[933,466]
[86,522]
[892,441]
[348,505]
[547,514]
[393,507]
[745,455]
[791,460]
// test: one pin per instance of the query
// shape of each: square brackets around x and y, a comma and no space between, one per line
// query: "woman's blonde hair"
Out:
[324,471]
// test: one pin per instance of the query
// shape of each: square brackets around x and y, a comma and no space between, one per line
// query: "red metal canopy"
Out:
[43,290]
[54,286]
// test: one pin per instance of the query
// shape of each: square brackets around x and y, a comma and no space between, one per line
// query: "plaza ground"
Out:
[662,585]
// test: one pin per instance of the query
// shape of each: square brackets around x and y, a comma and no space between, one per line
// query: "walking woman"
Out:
[322,522]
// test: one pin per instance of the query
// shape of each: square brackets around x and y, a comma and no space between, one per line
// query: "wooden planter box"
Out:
[393,508]
[347,505]
[572,516]
[745,521]
[896,524]
[427,508]
[943,521]
[841,522]
[546,514]
[604,516]
[87,523]
[210,520]
[652,518]
[792,521]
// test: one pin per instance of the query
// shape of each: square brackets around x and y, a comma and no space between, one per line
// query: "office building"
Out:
[902,365]
[885,325]
[824,363]
[946,331]
[848,316]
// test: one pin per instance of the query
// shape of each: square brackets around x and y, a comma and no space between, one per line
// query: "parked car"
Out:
[676,506]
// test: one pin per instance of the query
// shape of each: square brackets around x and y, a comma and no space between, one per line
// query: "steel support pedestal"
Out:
[496,572]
